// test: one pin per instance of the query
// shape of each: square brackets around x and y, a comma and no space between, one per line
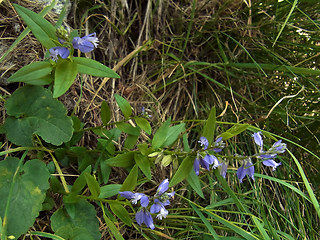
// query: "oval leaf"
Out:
[210,126]
[131,181]
[234,130]
[109,190]
[41,28]
[105,113]
[143,124]
[36,73]
[183,171]
[93,185]
[161,134]
[123,105]
[94,68]
[121,213]
[144,164]
[65,74]
[121,160]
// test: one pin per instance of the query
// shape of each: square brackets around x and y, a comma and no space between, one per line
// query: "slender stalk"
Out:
[63,180]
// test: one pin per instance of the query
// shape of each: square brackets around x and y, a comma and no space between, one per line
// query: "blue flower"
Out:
[271,163]
[161,200]
[204,142]
[278,147]
[258,139]
[248,168]
[215,162]
[218,145]
[85,44]
[135,197]
[59,51]
[144,216]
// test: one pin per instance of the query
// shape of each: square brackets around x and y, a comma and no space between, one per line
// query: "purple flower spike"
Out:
[59,51]
[144,216]
[244,170]
[85,44]
[196,166]
[204,142]
[258,139]
[271,163]
[163,187]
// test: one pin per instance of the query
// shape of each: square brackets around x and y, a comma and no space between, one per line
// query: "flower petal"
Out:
[196,166]
[163,187]
[127,194]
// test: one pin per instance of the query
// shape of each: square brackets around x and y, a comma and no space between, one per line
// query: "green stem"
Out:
[63,180]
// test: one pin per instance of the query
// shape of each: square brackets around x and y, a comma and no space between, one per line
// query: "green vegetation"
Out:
[187,69]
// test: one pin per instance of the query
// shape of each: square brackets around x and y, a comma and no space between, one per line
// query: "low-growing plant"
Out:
[206,199]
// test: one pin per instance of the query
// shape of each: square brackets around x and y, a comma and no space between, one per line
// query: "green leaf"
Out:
[194,182]
[127,128]
[131,141]
[121,160]
[113,228]
[183,171]
[84,223]
[32,110]
[83,156]
[143,124]
[161,134]
[234,130]
[79,184]
[121,213]
[105,113]
[36,73]
[109,190]
[93,185]
[29,192]
[65,74]
[41,28]
[144,164]
[131,181]
[94,68]
[173,134]
[210,126]
[123,105]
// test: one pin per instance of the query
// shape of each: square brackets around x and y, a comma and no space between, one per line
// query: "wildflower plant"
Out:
[38,126]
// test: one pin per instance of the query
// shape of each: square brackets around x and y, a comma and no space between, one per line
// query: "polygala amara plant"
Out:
[38,124]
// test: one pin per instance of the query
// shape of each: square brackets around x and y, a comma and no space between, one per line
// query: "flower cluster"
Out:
[247,167]
[209,159]
[160,201]
[269,155]
[85,44]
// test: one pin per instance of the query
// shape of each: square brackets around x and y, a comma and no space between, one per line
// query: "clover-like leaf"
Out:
[33,110]
[29,191]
